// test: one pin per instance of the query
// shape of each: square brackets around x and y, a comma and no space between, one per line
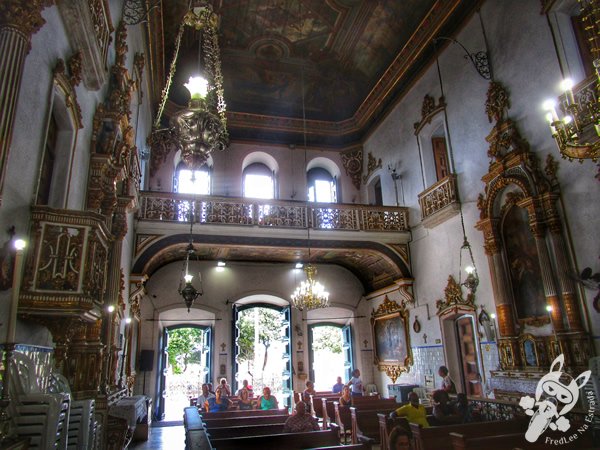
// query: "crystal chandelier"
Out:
[310,294]
[577,128]
[201,128]
[186,288]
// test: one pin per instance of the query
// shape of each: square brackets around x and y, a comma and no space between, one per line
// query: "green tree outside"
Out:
[185,347]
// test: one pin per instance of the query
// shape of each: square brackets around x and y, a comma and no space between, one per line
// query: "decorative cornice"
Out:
[67,85]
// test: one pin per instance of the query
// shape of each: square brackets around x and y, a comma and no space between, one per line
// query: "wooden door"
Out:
[440,156]
[469,356]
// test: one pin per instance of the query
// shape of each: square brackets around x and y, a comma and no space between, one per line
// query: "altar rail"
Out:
[212,210]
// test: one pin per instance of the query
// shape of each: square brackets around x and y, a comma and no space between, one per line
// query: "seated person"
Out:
[442,410]
[205,395]
[337,387]
[225,387]
[246,386]
[301,420]
[217,403]
[310,390]
[460,407]
[267,401]
[413,411]
[399,438]
[346,398]
[245,402]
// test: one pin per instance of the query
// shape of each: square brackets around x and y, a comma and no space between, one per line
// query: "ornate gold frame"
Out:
[389,310]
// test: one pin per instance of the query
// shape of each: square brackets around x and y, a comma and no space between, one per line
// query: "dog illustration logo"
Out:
[545,411]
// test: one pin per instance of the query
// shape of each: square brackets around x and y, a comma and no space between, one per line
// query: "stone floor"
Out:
[172,438]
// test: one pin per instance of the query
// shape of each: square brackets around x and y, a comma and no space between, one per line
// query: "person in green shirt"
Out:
[413,411]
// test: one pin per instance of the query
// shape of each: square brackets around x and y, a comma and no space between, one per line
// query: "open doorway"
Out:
[262,349]
[330,354]
[185,367]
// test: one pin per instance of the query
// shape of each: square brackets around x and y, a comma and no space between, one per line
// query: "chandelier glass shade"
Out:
[310,294]
[575,123]
[472,279]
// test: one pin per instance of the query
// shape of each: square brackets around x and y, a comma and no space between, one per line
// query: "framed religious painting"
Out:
[391,338]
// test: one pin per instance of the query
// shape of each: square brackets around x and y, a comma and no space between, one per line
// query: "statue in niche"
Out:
[523,264]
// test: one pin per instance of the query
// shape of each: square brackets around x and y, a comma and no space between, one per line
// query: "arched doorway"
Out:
[330,354]
[262,339]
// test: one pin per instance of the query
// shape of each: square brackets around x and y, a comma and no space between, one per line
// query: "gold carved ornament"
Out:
[353,164]
[453,299]
[372,165]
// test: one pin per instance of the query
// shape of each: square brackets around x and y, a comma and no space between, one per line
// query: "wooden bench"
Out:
[386,425]
[316,404]
[242,413]
[287,441]
[249,420]
[192,419]
[439,437]
[517,440]
[195,434]
[244,430]
[328,411]
[365,424]
[363,446]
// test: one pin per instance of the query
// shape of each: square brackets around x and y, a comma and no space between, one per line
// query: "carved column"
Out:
[550,292]
[563,268]
[508,342]
[114,290]
[19,20]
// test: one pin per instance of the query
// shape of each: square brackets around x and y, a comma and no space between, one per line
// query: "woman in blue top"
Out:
[267,401]
[217,403]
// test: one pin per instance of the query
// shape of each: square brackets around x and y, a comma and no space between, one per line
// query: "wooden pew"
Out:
[316,404]
[516,440]
[386,425]
[244,430]
[365,424]
[249,420]
[363,446]
[287,441]
[243,413]
[195,435]
[328,411]
[343,416]
[439,437]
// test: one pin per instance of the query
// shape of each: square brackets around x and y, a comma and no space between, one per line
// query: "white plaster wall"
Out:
[524,61]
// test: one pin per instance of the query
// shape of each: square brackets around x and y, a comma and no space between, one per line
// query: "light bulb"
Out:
[110,308]
[198,87]
[549,105]
[469,269]
[566,84]
[20,244]
[493,315]
[567,120]
[548,308]
[188,278]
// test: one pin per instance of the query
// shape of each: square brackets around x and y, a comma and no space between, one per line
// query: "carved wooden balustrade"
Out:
[271,213]
[439,201]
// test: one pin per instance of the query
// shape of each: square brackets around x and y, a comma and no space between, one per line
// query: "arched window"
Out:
[322,186]
[258,181]
[192,181]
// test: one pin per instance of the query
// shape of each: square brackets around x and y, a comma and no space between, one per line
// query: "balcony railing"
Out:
[170,207]
[442,196]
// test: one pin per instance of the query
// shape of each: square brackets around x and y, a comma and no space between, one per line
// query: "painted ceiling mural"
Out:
[331,52]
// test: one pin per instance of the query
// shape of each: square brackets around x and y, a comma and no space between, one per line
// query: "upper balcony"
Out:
[371,241]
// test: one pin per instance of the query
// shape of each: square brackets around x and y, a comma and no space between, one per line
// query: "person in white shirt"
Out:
[356,384]
[204,396]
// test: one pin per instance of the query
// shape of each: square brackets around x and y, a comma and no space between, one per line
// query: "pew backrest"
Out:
[365,424]
[245,430]
[243,413]
[249,420]
[287,441]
